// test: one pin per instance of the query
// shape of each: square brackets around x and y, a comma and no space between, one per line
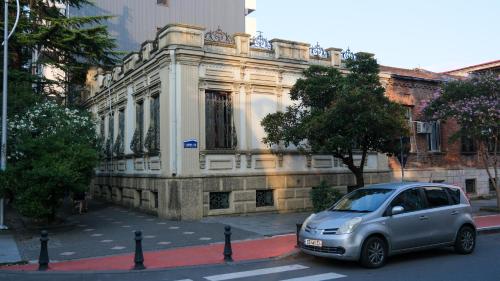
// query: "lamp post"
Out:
[3,145]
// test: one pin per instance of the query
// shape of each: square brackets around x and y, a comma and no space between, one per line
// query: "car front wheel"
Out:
[374,252]
[465,241]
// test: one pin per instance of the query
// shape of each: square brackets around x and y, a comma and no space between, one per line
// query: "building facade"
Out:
[433,156]
[136,21]
[493,66]
[181,126]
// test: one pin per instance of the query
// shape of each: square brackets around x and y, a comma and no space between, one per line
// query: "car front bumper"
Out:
[342,246]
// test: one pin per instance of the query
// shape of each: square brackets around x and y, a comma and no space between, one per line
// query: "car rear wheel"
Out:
[374,252]
[466,240]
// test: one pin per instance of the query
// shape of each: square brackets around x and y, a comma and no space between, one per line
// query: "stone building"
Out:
[181,124]
[433,157]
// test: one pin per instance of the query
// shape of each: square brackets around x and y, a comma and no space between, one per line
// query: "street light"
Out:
[3,147]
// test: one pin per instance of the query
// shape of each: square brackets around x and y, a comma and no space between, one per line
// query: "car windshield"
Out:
[362,200]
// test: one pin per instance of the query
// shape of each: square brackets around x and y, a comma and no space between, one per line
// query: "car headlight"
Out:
[349,226]
[304,224]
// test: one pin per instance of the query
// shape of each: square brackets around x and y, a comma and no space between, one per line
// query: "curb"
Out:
[488,230]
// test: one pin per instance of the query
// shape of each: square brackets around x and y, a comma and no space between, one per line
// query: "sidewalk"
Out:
[204,255]
[9,253]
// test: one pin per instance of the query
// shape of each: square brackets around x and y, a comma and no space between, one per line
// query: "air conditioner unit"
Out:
[423,127]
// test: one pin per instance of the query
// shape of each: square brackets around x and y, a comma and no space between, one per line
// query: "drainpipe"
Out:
[110,116]
[173,83]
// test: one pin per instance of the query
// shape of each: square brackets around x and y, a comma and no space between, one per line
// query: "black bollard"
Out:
[228,251]
[299,226]
[43,259]
[139,257]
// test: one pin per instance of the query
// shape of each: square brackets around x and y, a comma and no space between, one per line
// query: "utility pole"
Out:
[3,157]
[3,145]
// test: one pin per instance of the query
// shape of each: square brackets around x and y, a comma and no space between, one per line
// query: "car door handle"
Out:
[454,213]
[423,218]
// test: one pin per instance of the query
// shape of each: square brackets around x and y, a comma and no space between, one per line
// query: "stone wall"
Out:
[189,198]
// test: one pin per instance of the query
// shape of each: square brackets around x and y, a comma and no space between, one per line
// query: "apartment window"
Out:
[102,129]
[137,140]
[434,137]
[264,198]
[219,200]
[468,145]
[162,2]
[470,185]
[119,147]
[219,125]
[111,127]
[152,141]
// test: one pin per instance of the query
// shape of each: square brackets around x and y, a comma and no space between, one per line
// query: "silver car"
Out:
[374,222]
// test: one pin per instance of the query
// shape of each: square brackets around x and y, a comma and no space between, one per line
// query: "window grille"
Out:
[264,198]
[219,124]
[137,140]
[152,141]
[219,200]
[119,147]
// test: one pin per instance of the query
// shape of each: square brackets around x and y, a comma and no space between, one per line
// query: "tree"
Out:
[52,149]
[474,104]
[340,115]
[52,152]
[69,46]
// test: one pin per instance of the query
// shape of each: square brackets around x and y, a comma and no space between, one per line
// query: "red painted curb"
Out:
[188,256]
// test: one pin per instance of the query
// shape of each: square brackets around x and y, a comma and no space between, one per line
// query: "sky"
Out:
[436,35]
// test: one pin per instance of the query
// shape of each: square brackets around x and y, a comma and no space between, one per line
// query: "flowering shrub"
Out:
[52,151]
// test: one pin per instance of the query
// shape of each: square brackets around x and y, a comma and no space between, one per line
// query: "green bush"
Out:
[52,152]
[324,196]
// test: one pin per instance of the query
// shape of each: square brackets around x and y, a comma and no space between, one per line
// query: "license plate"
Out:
[311,242]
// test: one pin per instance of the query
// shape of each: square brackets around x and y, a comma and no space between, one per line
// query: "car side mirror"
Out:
[397,210]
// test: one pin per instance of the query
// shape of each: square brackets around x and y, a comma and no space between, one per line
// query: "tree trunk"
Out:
[360,180]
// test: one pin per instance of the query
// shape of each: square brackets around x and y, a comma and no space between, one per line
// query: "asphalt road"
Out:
[439,265]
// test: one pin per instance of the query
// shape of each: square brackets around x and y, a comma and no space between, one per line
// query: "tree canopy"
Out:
[344,115]
[47,38]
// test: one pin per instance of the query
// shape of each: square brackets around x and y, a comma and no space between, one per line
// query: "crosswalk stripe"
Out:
[257,272]
[319,277]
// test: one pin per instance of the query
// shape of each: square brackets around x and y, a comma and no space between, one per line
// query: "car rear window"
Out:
[454,195]
[436,197]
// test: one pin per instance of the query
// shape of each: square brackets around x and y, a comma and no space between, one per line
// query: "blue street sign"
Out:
[191,143]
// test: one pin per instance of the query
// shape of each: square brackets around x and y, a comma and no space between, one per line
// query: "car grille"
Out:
[324,249]
[328,231]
